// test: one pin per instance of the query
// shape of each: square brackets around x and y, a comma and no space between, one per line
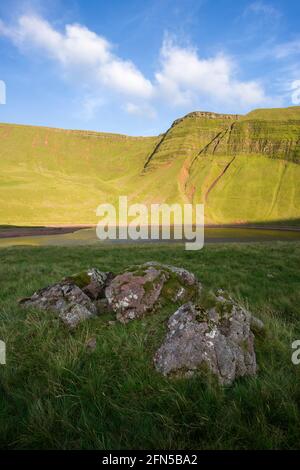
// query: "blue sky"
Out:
[134,66]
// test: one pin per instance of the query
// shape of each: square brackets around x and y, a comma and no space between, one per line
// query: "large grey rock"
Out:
[217,338]
[74,299]
[140,289]
[66,300]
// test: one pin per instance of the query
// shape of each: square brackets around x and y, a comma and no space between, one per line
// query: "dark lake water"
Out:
[87,236]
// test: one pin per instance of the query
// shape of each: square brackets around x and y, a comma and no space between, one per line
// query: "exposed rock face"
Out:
[92,282]
[276,139]
[218,338]
[207,115]
[75,298]
[137,291]
[66,300]
[184,275]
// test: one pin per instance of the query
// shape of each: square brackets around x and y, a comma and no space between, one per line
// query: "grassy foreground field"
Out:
[56,393]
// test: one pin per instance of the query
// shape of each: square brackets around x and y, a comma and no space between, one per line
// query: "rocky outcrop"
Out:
[189,137]
[208,331]
[207,115]
[275,139]
[72,299]
[66,300]
[139,290]
[217,338]
[92,282]
[131,294]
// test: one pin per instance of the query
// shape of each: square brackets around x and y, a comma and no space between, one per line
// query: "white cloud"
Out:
[2,92]
[295,87]
[78,47]
[89,106]
[287,49]
[142,110]
[125,77]
[266,9]
[185,78]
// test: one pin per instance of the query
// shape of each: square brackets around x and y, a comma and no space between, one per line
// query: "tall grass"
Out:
[57,393]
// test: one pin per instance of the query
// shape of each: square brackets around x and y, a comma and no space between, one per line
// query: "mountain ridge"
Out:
[248,165]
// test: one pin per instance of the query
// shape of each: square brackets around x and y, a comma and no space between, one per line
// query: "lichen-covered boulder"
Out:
[74,299]
[92,282]
[66,300]
[141,288]
[185,276]
[215,335]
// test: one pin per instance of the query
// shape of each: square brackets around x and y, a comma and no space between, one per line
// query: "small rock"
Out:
[91,343]
[256,324]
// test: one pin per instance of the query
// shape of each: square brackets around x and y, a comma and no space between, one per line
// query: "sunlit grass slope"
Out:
[244,168]
[51,176]
[254,188]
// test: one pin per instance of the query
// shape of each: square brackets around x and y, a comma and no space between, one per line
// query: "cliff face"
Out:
[259,132]
[275,139]
[208,115]
[243,168]
[188,136]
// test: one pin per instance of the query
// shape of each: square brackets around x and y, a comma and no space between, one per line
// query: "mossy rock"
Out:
[84,278]
[141,289]
[81,279]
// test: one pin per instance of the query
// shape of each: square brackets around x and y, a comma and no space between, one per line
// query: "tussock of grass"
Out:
[57,393]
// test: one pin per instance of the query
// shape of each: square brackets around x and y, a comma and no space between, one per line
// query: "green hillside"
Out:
[244,168]
[52,176]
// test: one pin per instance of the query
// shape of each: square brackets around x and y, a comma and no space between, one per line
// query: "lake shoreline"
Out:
[48,230]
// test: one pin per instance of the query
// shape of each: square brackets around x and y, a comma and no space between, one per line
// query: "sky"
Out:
[135,66]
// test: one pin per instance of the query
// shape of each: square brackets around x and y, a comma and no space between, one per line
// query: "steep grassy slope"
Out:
[268,132]
[253,188]
[252,174]
[274,114]
[51,176]
[170,162]
[244,168]
[187,136]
